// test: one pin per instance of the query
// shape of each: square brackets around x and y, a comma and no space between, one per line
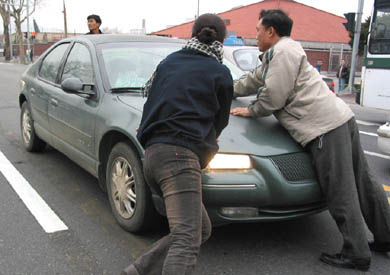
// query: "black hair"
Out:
[208,28]
[95,17]
[277,19]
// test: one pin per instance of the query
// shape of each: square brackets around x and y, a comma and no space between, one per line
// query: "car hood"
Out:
[261,136]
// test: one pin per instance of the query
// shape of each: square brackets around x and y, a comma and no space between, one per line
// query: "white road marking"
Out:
[368,134]
[367,123]
[45,216]
[376,155]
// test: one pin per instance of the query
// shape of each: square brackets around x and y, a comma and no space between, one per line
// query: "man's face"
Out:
[263,37]
[93,25]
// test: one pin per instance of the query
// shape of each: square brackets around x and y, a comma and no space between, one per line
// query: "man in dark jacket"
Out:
[94,22]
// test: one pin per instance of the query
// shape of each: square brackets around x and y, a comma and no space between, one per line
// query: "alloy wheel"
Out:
[26,127]
[123,187]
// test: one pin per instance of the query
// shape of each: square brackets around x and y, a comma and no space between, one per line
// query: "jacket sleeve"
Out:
[279,82]
[225,96]
[249,83]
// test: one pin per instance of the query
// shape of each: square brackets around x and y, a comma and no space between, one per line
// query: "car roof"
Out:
[110,38]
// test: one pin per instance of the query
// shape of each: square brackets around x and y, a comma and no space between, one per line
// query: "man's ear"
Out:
[272,31]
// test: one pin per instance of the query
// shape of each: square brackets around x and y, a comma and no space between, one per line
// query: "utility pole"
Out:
[197,14]
[28,31]
[355,47]
[65,24]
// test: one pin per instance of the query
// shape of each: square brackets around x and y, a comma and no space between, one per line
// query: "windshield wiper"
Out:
[127,90]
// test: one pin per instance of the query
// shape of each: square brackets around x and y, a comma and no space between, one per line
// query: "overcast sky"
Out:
[128,14]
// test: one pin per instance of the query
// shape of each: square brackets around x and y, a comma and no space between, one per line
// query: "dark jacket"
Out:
[90,32]
[344,72]
[188,103]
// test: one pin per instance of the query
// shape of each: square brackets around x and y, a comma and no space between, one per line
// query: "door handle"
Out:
[54,102]
[32,91]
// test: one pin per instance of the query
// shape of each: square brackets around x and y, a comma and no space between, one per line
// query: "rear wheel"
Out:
[128,194]
[31,141]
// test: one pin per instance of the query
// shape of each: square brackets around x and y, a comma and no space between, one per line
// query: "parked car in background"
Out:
[384,137]
[247,59]
[329,81]
[84,96]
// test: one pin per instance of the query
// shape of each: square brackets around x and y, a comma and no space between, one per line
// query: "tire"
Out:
[31,142]
[128,194]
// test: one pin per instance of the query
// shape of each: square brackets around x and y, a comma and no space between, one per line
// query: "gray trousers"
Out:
[175,172]
[350,189]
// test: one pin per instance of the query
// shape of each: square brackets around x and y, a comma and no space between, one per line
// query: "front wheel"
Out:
[31,141]
[128,194]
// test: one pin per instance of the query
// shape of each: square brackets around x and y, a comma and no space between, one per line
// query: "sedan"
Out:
[84,96]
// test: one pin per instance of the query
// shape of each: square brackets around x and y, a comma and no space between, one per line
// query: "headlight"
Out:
[230,161]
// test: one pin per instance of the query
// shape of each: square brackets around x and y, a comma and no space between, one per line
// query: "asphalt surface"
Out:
[95,244]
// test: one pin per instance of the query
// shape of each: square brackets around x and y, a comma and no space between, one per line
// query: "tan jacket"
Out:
[293,90]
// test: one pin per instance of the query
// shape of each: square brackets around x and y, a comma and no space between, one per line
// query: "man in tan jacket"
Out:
[288,87]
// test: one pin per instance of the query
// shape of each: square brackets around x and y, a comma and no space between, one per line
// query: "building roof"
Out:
[310,24]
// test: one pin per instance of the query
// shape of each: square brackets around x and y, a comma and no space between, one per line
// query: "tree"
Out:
[6,21]
[19,13]
[364,30]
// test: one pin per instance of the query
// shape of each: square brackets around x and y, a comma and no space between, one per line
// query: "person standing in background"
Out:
[94,22]
[342,75]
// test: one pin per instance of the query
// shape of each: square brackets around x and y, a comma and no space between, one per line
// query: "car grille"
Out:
[295,167]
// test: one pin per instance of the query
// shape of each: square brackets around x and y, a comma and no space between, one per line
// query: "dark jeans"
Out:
[175,171]
[350,189]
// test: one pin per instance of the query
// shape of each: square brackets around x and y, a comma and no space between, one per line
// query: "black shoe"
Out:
[340,260]
[379,247]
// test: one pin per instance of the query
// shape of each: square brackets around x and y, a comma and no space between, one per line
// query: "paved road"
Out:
[95,244]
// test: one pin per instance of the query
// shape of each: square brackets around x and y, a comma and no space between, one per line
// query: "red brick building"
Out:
[321,33]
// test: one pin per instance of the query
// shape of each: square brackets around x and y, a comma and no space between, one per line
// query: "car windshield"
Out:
[247,59]
[131,64]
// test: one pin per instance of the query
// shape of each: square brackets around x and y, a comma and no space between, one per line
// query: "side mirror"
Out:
[73,85]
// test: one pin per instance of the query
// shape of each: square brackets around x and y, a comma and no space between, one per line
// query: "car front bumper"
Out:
[261,194]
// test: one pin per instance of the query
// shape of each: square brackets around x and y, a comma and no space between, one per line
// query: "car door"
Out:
[43,86]
[72,116]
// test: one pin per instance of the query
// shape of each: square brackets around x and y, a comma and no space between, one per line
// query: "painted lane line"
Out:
[376,155]
[361,122]
[44,215]
[368,134]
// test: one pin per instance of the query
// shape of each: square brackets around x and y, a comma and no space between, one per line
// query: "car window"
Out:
[79,64]
[247,59]
[51,63]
